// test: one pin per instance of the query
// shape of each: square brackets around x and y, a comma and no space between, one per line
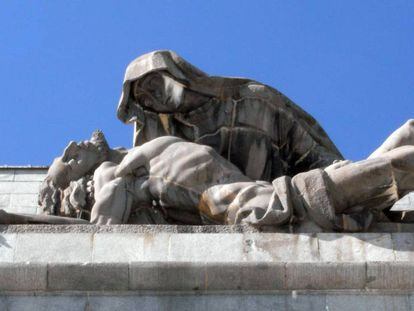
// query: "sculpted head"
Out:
[77,160]
[160,92]
[163,82]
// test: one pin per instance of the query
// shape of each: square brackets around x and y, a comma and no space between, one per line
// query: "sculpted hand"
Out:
[403,136]
[337,164]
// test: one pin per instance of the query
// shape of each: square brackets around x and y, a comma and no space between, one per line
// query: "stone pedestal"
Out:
[202,268]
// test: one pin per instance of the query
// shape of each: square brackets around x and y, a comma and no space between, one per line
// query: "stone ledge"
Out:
[389,227]
[236,300]
[164,261]
[205,277]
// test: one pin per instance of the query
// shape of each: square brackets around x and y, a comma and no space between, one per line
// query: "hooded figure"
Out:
[250,124]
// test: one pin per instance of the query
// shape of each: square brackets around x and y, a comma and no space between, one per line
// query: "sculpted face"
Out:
[77,160]
[160,92]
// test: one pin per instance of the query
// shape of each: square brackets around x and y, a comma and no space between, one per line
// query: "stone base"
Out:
[131,267]
[193,301]
[131,257]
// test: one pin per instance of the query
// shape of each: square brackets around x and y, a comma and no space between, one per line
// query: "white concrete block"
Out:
[199,302]
[22,277]
[403,246]
[245,276]
[6,174]
[23,200]
[117,247]
[19,187]
[156,247]
[390,275]
[357,247]
[7,246]
[207,247]
[30,175]
[22,209]
[281,247]
[3,303]
[87,276]
[47,303]
[167,276]
[4,200]
[57,248]
[325,275]
[303,301]
[361,302]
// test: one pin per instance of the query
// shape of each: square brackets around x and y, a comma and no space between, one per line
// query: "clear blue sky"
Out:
[348,63]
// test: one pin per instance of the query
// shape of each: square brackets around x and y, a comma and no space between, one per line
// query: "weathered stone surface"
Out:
[168,229]
[403,244]
[47,303]
[245,276]
[361,247]
[23,200]
[87,276]
[298,301]
[214,261]
[363,302]
[282,247]
[325,275]
[156,247]
[4,200]
[166,276]
[30,175]
[7,247]
[387,275]
[19,187]
[43,247]
[22,210]
[206,248]
[6,174]
[22,276]
[201,302]
[117,247]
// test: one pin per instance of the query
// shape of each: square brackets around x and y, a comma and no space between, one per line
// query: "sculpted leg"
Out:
[403,136]
[347,197]
[254,203]
[390,174]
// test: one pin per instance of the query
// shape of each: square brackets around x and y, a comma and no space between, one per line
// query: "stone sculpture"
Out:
[214,150]
[250,124]
[175,181]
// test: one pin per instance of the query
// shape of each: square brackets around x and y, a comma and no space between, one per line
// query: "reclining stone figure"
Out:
[187,183]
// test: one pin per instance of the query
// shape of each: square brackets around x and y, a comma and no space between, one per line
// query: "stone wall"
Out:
[19,187]
[87,267]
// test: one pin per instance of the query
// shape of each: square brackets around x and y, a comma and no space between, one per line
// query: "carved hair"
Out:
[98,141]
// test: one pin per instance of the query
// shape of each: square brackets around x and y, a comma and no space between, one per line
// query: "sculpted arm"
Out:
[139,157]
[403,136]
